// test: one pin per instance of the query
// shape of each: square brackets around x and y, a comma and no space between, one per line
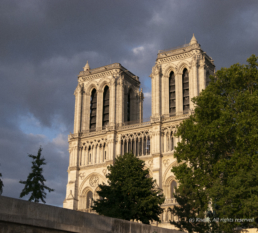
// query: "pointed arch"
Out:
[168,169]
[90,87]
[84,198]
[102,179]
[168,70]
[172,187]
[104,82]
[183,65]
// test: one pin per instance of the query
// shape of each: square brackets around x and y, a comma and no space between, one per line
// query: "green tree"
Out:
[35,181]
[1,185]
[218,153]
[130,193]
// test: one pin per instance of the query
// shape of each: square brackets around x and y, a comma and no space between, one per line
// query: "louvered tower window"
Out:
[207,78]
[185,91]
[106,106]
[172,94]
[128,106]
[93,110]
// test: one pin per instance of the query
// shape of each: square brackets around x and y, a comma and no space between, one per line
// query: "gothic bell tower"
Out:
[179,74]
[106,98]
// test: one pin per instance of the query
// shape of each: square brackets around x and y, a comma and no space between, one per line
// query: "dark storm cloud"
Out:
[44,45]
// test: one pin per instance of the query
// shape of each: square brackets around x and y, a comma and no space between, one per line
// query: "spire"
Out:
[193,40]
[86,67]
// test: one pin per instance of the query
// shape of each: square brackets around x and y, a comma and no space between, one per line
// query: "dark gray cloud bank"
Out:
[44,45]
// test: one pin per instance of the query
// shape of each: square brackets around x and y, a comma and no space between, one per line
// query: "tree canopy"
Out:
[130,193]
[35,183]
[218,154]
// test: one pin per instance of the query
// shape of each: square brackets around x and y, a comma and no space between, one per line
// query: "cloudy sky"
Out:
[44,45]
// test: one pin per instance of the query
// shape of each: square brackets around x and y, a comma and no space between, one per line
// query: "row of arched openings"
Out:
[172,92]
[93,108]
[139,146]
[93,155]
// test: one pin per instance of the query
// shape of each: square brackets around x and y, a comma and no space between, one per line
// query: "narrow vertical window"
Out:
[128,106]
[173,186]
[104,151]
[105,106]
[172,141]
[185,80]
[172,94]
[148,145]
[89,199]
[93,110]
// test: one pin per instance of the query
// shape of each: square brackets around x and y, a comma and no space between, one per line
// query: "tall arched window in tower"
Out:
[88,200]
[207,78]
[128,106]
[172,94]
[173,186]
[185,80]
[93,110]
[105,106]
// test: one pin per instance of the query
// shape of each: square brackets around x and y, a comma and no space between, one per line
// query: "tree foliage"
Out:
[35,183]
[219,162]
[130,193]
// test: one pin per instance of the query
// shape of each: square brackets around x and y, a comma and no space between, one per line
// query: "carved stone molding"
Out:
[166,162]
[94,181]
[177,57]
[104,171]
[82,175]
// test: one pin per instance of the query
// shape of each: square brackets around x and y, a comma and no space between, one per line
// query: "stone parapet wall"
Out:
[23,216]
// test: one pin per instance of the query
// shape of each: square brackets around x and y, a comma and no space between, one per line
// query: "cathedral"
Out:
[108,121]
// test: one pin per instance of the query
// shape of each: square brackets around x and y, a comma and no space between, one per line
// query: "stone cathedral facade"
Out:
[108,121]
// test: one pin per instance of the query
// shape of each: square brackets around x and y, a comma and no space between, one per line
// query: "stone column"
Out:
[202,76]
[120,101]
[157,95]
[165,95]
[153,112]
[142,144]
[196,79]
[141,98]
[87,155]
[97,154]
[123,148]
[93,155]
[134,145]
[86,112]
[165,141]
[112,103]
[179,94]
[77,111]
[118,145]
[70,156]
[73,156]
